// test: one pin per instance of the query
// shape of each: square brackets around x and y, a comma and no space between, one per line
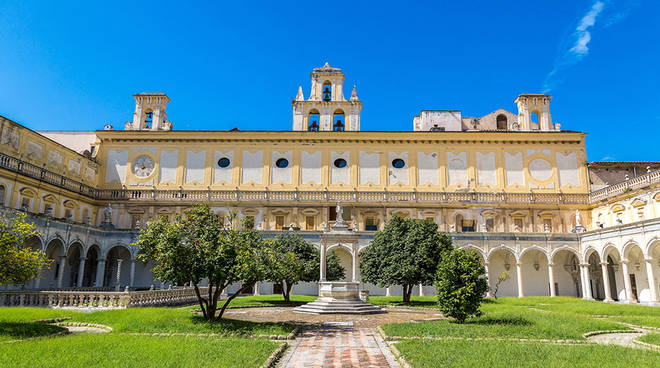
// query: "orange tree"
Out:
[18,264]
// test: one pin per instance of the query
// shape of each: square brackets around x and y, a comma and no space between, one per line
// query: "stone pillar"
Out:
[551,278]
[606,283]
[388,291]
[131,279]
[521,293]
[81,272]
[323,265]
[355,263]
[256,288]
[587,281]
[100,273]
[626,281]
[421,289]
[60,275]
[652,285]
[118,284]
[488,292]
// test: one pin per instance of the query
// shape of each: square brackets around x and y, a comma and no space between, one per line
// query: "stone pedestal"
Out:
[338,297]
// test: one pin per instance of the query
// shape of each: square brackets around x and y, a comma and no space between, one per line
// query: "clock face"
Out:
[143,166]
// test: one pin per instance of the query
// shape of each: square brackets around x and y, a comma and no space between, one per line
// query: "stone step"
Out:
[338,307]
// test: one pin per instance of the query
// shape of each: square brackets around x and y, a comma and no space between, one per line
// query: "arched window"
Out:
[313,121]
[338,120]
[534,120]
[501,122]
[148,118]
[2,195]
[327,91]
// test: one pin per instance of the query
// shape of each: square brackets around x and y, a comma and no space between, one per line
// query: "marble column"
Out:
[606,283]
[81,271]
[551,278]
[521,286]
[652,285]
[60,275]
[355,264]
[131,279]
[323,265]
[626,281]
[388,291]
[100,273]
[587,281]
[118,285]
[489,294]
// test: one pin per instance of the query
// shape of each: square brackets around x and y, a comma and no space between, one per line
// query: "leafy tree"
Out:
[406,252]
[460,284]
[296,260]
[19,264]
[201,247]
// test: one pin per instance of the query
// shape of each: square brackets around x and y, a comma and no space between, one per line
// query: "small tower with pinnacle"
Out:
[326,109]
[150,112]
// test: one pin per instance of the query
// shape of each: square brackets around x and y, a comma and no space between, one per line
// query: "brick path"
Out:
[331,346]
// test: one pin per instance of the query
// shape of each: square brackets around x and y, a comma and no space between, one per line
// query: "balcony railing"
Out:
[641,181]
[159,195]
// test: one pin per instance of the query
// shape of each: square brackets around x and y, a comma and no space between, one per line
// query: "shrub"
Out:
[461,284]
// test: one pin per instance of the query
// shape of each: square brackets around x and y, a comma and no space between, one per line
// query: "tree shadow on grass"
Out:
[503,321]
[413,303]
[24,330]
[240,327]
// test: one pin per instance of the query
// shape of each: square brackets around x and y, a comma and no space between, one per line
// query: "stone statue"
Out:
[340,214]
[577,218]
[107,214]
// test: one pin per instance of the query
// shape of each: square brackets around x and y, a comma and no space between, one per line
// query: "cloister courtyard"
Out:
[263,331]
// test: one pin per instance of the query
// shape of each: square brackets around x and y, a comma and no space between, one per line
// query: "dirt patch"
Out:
[286,314]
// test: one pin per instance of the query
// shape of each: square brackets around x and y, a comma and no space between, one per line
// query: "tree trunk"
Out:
[288,286]
[407,290]
[224,306]
[201,301]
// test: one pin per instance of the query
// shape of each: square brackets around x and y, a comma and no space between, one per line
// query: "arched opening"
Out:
[502,265]
[338,121]
[501,122]
[654,255]
[313,121]
[614,273]
[346,261]
[327,91]
[638,272]
[534,120]
[148,119]
[54,252]
[595,277]
[112,271]
[566,273]
[72,270]
[535,273]
[91,266]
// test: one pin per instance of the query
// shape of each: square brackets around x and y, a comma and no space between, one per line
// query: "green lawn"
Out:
[18,323]
[431,354]
[269,301]
[113,350]
[652,338]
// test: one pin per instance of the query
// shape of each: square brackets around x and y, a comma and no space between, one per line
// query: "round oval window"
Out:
[340,162]
[224,162]
[282,163]
[398,163]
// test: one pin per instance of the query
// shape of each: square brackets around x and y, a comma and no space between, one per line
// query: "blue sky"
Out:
[76,65]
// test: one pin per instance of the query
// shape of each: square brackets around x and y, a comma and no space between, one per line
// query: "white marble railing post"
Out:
[521,286]
[626,281]
[652,285]
[551,278]
[606,283]
[81,271]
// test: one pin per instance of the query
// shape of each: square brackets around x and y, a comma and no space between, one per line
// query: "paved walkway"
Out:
[334,346]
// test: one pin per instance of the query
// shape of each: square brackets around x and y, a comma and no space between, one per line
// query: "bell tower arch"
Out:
[320,112]
[150,112]
[532,105]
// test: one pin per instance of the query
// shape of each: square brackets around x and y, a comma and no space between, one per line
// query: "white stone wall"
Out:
[340,175]
[369,168]
[279,174]
[167,166]
[457,168]
[427,168]
[311,167]
[115,169]
[223,175]
[195,164]
[252,167]
[486,169]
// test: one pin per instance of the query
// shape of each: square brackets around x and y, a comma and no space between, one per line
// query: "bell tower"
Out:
[150,112]
[530,104]
[326,109]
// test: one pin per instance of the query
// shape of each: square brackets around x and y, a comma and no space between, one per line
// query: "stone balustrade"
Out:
[98,299]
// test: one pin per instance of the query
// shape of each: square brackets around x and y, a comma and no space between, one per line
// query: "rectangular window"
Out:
[332,213]
[467,226]
[432,219]
[48,209]
[310,223]
[371,223]
[67,214]
[25,204]
[490,225]
[547,225]
[517,224]
[135,221]
[279,222]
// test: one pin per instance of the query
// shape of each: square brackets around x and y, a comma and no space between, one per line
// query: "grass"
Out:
[269,301]
[428,354]
[509,319]
[112,350]
[415,301]
[18,323]
[652,338]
